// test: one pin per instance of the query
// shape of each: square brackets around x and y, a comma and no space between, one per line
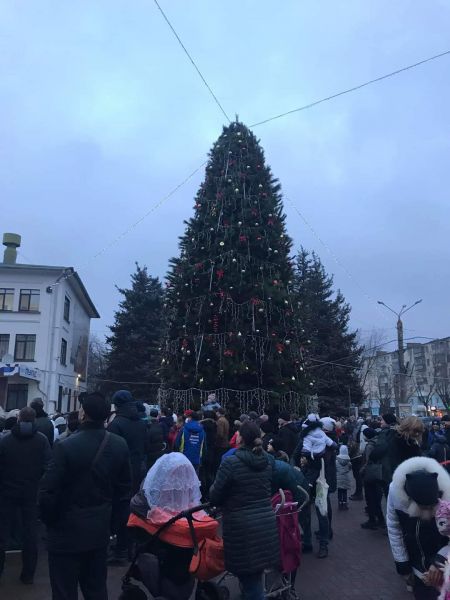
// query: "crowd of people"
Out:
[83,474]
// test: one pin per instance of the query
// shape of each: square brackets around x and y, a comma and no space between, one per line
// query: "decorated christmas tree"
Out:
[233,326]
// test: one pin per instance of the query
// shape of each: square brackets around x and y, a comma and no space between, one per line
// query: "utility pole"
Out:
[400,350]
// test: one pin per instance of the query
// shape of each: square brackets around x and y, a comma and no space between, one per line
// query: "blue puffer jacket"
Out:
[190,441]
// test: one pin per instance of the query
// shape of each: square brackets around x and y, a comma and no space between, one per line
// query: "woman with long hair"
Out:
[242,490]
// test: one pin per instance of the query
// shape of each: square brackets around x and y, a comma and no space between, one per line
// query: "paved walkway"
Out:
[359,567]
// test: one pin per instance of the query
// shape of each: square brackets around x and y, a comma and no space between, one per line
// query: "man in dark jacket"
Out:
[381,451]
[128,425]
[209,459]
[24,455]
[155,439]
[440,450]
[166,421]
[288,433]
[43,423]
[88,472]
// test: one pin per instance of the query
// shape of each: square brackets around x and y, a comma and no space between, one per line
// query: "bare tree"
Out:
[425,397]
[442,387]
[96,363]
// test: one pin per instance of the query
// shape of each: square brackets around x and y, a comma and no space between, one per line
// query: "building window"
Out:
[17,396]
[29,300]
[4,344]
[6,298]
[67,309]
[60,397]
[63,353]
[25,347]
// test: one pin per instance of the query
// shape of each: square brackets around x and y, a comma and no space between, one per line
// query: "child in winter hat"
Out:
[343,476]
[343,452]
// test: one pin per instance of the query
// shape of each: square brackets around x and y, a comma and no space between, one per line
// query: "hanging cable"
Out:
[216,100]
[133,225]
[353,89]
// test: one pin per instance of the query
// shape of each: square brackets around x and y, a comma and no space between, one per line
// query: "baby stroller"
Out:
[280,583]
[170,558]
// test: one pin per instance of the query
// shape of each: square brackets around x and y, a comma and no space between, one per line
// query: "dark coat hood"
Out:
[256,462]
[24,430]
[128,410]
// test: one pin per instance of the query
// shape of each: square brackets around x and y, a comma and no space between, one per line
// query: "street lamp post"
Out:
[401,349]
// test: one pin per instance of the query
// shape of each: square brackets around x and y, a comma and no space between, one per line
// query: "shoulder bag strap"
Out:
[101,449]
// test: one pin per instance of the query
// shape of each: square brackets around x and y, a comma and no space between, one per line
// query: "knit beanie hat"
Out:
[284,415]
[277,444]
[140,407]
[328,423]
[266,427]
[311,420]
[389,419]
[369,433]
[422,487]
[343,452]
[121,397]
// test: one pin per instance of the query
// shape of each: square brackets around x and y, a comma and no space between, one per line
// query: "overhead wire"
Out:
[352,89]
[133,225]
[334,257]
[172,28]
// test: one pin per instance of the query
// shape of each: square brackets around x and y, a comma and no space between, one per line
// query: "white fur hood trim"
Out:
[419,463]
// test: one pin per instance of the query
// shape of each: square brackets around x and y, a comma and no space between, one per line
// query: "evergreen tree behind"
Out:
[136,336]
[231,316]
[325,317]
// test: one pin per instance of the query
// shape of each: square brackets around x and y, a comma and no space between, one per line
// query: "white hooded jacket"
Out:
[407,522]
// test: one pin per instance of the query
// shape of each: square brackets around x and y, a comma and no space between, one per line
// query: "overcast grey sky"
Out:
[102,115]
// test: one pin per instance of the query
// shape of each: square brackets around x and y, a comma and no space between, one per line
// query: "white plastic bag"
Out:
[322,492]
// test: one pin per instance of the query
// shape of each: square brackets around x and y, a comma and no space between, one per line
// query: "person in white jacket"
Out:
[416,487]
[315,440]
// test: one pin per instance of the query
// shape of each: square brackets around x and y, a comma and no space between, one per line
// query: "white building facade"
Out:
[427,380]
[45,314]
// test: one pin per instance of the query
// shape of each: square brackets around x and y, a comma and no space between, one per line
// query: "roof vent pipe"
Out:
[12,242]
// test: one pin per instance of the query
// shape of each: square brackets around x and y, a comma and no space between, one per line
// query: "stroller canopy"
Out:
[172,484]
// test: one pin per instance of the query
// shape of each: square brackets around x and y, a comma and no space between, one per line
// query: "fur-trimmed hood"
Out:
[397,488]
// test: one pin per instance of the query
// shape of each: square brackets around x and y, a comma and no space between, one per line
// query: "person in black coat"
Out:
[24,456]
[88,472]
[43,423]
[397,445]
[440,450]
[242,490]
[166,421]
[288,433]
[129,426]
[209,462]
[156,446]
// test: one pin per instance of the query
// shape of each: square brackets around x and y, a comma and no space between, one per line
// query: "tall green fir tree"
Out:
[134,343]
[334,351]
[232,325]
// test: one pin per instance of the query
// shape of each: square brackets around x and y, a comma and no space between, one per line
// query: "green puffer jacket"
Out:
[242,490]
